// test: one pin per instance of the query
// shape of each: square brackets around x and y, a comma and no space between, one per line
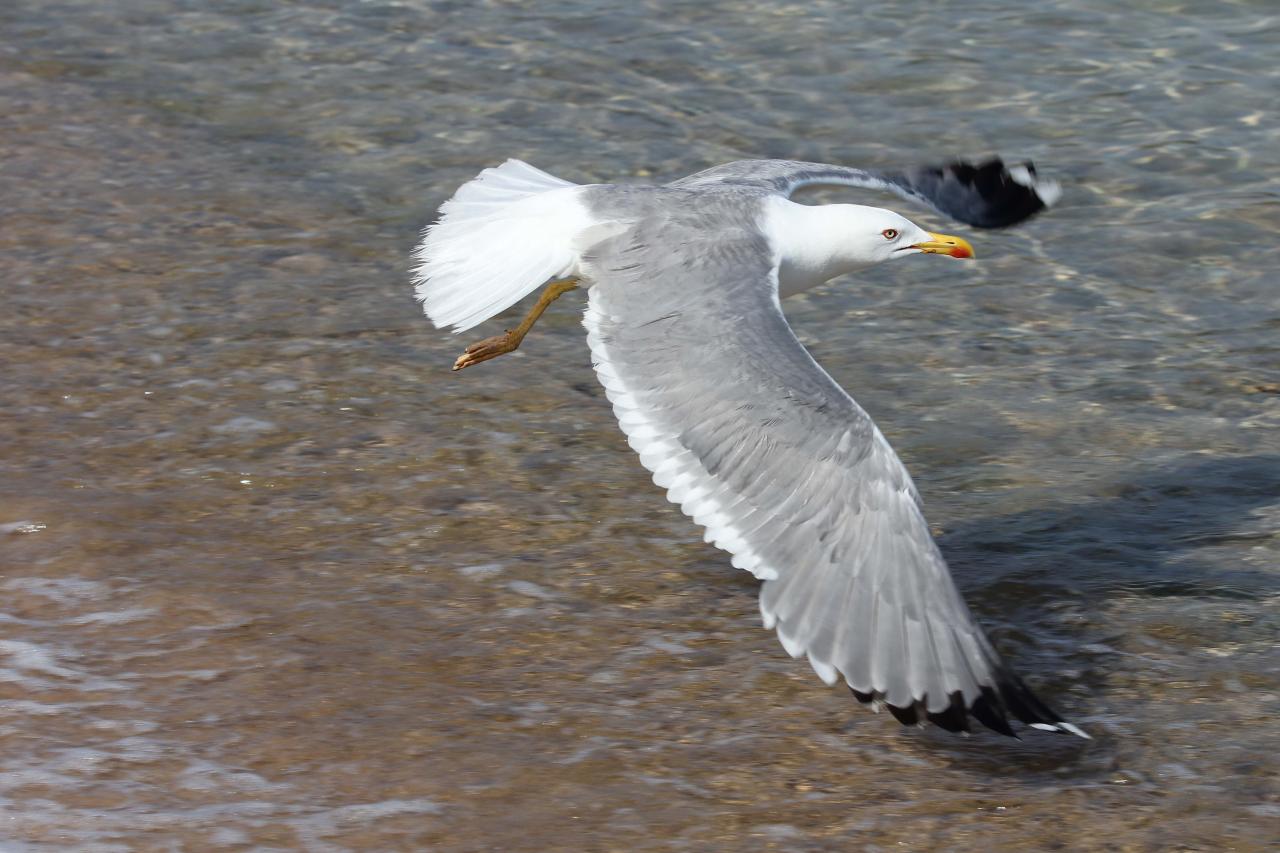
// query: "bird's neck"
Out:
[811,242]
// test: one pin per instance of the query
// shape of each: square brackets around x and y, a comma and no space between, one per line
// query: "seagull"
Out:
[747,433]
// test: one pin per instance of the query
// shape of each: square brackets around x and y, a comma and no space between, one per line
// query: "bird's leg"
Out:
[509,340]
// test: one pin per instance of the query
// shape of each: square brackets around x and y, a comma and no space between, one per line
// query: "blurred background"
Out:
[272,577]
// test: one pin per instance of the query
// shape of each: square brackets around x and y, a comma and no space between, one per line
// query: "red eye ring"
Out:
[889,233]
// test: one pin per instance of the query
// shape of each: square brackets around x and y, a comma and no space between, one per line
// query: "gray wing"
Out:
[986,195]
[786,472]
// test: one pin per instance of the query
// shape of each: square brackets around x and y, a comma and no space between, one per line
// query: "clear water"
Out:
[274,578]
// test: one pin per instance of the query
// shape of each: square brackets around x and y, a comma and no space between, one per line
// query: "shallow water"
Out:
[274,578]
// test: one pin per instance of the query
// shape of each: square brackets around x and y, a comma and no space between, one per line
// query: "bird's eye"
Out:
[889,233]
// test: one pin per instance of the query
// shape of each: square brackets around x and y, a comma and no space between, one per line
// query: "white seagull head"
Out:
[819,242]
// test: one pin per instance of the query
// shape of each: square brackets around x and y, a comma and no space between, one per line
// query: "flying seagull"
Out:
[745,431]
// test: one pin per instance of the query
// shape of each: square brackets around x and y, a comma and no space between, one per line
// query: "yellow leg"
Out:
[508,341]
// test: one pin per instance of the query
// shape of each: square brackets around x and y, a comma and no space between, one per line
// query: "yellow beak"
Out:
[945,244]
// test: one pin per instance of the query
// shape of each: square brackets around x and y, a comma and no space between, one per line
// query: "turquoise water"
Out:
[274,578]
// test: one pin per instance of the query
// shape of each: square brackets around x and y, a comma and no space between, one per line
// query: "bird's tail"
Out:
[504,233]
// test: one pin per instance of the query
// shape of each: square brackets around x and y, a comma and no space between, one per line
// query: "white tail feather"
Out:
[503,234]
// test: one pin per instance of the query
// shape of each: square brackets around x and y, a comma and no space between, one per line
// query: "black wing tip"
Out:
[987,194]
[1016,698]
[992,709]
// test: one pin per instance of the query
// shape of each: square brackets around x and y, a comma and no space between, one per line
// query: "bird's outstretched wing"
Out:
[986,195]
[787,473]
